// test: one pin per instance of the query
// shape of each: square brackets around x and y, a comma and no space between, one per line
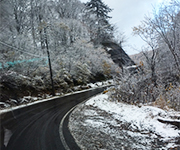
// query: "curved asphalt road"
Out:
[37,127]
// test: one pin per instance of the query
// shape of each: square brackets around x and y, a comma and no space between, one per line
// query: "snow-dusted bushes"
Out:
[136,88]
[172,96]
[79,64]
[83,62]
[161,34]
[140,88]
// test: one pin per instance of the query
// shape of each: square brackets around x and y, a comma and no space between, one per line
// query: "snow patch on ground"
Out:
[143,118]
[136,127]
[97,84]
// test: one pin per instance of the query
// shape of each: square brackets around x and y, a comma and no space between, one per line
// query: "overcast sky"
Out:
[129,13]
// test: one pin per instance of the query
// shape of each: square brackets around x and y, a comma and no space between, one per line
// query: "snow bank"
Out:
[140,120]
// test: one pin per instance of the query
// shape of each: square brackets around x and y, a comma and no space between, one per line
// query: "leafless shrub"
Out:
[140,88]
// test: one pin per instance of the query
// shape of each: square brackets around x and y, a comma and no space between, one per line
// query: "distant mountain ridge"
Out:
[137,58]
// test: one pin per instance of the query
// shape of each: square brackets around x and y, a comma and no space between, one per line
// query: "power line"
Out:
[19,49]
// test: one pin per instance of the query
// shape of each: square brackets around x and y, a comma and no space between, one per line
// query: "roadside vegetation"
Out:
[126,116]
[156,78]
[64,35]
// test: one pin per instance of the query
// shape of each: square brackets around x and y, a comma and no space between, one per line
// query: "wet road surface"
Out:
[37,127]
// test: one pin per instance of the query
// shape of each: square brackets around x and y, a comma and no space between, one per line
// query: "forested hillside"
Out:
[66,34]
[50,46]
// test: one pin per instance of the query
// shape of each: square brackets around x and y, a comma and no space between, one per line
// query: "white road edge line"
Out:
[62,121]
[61,128]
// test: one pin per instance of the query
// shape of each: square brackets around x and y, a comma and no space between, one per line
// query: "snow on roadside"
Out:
[143,118]
[97,84]
[139,125]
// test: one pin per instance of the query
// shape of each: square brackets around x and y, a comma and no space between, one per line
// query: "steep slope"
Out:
[118,55]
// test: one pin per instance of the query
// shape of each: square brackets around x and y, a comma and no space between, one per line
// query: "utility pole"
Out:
[49,60]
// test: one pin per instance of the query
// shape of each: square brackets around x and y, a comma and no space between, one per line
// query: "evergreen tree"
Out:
[98,17]
[99,8]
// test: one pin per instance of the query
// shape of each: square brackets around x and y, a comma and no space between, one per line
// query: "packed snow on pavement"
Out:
[102,124]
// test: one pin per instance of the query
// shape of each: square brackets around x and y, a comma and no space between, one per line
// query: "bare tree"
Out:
[148,35]
[69,9]
[163,27]
[166,23]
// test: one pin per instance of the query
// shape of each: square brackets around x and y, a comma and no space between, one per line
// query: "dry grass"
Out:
[160,103]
